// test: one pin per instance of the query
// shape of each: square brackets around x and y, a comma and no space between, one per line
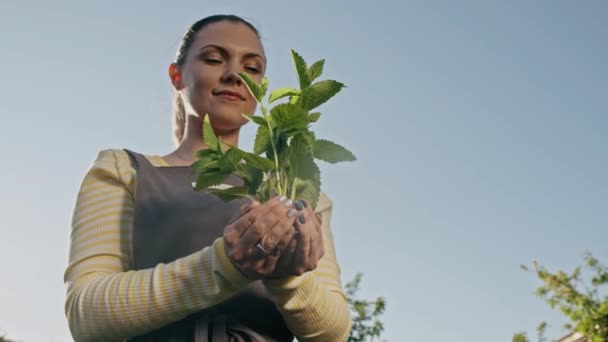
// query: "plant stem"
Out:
[293,190]
[274,150]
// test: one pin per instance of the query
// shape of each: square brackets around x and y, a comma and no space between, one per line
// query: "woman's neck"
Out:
[193,141]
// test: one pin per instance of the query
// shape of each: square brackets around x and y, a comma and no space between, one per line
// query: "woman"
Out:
[152,260]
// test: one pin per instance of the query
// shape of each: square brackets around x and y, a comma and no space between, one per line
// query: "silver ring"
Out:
[262,250]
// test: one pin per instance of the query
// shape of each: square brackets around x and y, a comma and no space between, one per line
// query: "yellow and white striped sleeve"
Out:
[104,300]
[314,305]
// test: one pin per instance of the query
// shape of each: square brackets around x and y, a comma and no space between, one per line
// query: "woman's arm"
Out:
[106,302]
[314,305]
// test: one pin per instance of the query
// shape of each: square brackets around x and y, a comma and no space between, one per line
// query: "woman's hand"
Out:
[257,235]
[304,251]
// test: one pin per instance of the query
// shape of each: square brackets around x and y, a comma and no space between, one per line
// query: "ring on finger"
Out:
[262,249]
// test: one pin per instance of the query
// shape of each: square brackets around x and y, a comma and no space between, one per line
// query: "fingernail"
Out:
[299,205]
[302,219]
[304,203]
[291,213]
[288,203]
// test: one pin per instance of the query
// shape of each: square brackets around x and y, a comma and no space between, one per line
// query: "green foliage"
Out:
[4,339]
[281,93]
[580,300]
[316,70]
[520,337]
[285,148]
[319,93]
[257,90]
[301,70]
[331,152]
[365,314]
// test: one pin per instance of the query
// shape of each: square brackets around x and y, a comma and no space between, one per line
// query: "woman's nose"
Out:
[231,74]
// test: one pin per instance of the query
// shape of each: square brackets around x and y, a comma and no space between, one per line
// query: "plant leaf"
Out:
[314,117]
[252,177]
[302,166]
[308,190]
[288,116]
[263,88]
[316,70]
[257,119]
[262,140]
[319,93]
[207,179]
[230,193]
[259,162]
[209,136]
[204,158]
[331,152]
[281,93]
[254,88]
[301,69]
[230,161]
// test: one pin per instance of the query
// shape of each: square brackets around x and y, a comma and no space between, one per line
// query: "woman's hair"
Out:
[179,112]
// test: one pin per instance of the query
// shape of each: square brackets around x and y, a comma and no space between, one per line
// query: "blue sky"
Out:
[480,129]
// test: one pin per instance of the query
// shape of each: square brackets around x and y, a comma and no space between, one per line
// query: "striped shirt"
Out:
[107,301]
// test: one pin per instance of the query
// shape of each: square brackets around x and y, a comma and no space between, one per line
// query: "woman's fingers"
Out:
[286,260]
[274,241]
[310,248]
[301,255]
[259,221]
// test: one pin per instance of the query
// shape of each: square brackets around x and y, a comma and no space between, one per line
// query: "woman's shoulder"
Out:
[125,158]
[112,155]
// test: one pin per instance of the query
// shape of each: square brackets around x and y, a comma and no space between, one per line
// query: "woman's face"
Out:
[210,74]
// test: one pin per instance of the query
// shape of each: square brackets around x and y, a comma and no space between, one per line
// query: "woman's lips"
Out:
[229,95]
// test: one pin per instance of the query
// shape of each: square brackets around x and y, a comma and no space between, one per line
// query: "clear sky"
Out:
[480,128]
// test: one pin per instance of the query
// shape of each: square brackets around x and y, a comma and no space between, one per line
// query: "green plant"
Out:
[581,301]
[365,313]
[284,137]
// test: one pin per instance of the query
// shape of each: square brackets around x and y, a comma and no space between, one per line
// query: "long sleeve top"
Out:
[107,301]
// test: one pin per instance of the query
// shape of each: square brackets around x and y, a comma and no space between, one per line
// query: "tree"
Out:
[583,302]
[4,339]
[365,314]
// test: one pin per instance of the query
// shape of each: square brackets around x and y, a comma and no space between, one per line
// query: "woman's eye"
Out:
[252,69]
[212,61]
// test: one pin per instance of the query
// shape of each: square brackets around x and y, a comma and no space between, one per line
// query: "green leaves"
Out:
[211,177]
[262,140]
[577,298]
[316,70]
[331,152]
[281,93]
[288,116]
[365,314]
[319,93]
[301,69]
[230,194]
[303,170]
[257,119]
[257,90]
[314,117]
[284,151]
[259,162]
[209,135]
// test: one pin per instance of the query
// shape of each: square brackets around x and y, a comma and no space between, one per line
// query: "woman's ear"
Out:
[175,75]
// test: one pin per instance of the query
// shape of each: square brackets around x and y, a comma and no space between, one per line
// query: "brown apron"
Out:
[171,221]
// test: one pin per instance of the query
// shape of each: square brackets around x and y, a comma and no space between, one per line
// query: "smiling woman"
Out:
[153,260]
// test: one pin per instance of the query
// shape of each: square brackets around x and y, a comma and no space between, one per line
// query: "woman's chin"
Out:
[227,121]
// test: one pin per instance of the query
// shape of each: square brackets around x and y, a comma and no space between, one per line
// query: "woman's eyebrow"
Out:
[224,52]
